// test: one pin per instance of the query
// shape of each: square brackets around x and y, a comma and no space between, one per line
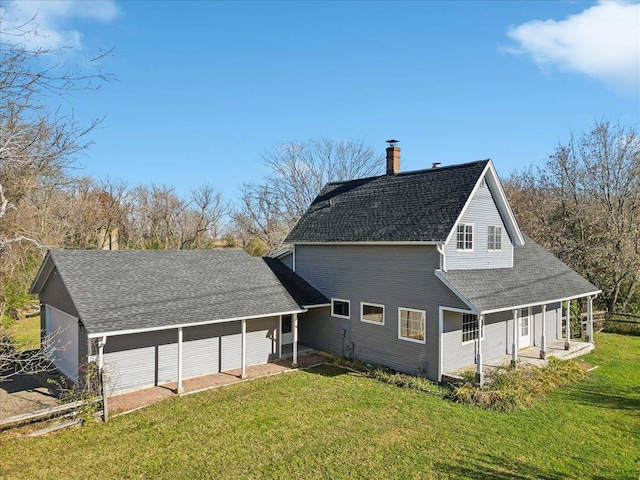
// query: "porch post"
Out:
[280,337]
[590,319]
[514,344]
[479,373]
[567,342]
[179,387]
[243,350]
[295,340]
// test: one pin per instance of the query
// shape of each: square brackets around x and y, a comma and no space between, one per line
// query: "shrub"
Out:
[509,388]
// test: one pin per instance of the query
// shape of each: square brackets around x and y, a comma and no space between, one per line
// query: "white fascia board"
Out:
[493,182]
[417,242]
[544,302]
[185,325]
[317,305]
[283,252]
[458,294]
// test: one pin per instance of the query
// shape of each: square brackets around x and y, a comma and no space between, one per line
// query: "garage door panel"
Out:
[64,330]
[262,340]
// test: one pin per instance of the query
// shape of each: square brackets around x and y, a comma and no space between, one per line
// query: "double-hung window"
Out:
[494,240]
[464,237]
[412,325]
[470,327]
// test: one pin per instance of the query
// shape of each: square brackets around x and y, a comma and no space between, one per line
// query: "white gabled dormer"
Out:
[486,231]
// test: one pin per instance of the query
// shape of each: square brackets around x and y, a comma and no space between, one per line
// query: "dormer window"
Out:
[464,237]
[494,241]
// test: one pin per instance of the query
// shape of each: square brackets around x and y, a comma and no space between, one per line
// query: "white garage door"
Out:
[63,329]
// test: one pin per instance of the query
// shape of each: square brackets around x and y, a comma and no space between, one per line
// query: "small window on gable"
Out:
[412,325]
[340,308]
[372,313]
[470,327]
[464,237]
[494,241]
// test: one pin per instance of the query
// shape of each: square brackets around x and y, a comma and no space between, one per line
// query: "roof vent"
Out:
[393,157]
[436,165]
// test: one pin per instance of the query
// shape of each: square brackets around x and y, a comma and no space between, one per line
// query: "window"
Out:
[524,322]
[372,312]
[494,242]
[340,308]
[470,327]
[411,325]
[286,323]
[465,237]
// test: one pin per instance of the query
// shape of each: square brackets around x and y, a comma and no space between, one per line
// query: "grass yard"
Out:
[327,423]
[25,332]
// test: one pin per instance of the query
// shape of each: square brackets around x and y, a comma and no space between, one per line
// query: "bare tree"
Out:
[297,173]
[585,207]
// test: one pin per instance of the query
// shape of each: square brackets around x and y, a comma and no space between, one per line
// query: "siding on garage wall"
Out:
[54,293]
[481,212]
[287,260]
[394,276]
[151,358]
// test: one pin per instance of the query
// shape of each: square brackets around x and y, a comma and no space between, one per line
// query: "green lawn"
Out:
[25,332]
[326,423]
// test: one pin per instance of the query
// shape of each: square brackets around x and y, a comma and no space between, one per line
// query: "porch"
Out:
[528,356]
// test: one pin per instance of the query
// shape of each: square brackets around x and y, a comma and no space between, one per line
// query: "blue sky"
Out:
[206,88]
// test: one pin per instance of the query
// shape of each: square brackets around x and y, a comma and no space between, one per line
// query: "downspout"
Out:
[105,408]
[101,343]
[443,260]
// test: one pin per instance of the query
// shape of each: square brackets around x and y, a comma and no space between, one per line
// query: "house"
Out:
[425,272]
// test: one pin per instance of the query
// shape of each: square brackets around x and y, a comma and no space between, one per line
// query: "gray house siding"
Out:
[481,212]
[394,276]
[319,330]
[458,354]
[151,358]
[287,260]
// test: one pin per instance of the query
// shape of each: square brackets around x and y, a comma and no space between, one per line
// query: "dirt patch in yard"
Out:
[27,393]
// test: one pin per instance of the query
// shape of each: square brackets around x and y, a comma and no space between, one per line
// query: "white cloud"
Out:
[602,42]
[50,27]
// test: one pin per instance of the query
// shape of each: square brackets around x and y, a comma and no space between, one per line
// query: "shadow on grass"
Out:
[614,399]
[327,370]
[491,467]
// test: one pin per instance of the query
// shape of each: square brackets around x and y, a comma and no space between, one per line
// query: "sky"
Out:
[205,89]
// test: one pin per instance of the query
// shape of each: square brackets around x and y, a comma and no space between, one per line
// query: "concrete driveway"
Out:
[27,393]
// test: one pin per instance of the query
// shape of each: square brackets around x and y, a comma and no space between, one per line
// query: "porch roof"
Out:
[537,277]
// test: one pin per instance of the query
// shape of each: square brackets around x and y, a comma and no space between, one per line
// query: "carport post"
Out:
[179,388]
[295,340]
[514,344]
[243,368]
[543,338]
[567,343]
[590,319]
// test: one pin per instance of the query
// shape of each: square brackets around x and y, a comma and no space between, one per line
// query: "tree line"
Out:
[583,205]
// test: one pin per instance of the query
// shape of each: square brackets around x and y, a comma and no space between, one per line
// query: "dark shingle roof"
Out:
[537,277]
[412,206]
[301,291]
[146,289]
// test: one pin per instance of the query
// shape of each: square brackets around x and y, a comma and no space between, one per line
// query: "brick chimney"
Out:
[393,157]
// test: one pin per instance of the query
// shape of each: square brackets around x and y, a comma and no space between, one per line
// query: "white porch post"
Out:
[243,348]
[179,387]
[101,343]
[567,342]
[543,337]
[590,319]
[514,344]
[280,337]
[295,340]
[479,372]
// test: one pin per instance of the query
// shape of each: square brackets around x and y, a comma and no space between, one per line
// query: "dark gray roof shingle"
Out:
[412,206]
[146,289]
[537,277]
[299,289]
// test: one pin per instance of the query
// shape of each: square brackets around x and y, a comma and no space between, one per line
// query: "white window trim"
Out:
[473,237]
[362,319]
[462,328]
[400,337]
[340,300]
[494,249]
